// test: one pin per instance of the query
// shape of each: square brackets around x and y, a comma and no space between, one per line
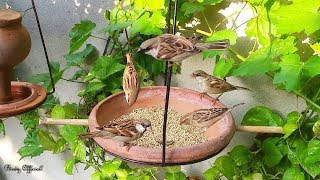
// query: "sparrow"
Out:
[122,131]
[213,85]
[205,117]
[176,48]
[130,81]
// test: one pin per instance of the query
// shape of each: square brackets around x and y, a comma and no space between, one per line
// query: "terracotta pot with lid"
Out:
[15,45]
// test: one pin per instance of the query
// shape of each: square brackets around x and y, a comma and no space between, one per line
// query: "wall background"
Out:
[57,18]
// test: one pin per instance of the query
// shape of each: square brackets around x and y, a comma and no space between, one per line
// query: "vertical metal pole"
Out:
[44,47]
[168,31]
[168,84]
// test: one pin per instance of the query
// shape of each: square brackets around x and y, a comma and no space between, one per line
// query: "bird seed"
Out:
[177,135]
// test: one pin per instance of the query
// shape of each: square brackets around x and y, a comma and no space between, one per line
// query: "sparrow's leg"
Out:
[217,99]
[129,145]
[202,95]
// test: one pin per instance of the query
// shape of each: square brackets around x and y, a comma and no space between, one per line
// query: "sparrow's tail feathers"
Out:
[242,88]
[90,135]
[221,45]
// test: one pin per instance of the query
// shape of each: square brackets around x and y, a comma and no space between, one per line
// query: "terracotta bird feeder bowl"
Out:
[182,101]
[15,45]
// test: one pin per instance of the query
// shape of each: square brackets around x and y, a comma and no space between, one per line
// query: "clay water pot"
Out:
[15,45]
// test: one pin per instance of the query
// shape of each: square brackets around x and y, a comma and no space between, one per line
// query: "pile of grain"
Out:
[177,135]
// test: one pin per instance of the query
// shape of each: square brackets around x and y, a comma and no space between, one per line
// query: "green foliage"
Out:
[261,116]
[174,173]
[79,34]
[32,146]
[2,127]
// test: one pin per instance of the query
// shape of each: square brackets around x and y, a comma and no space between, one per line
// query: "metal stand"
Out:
[44,48]
[168,84]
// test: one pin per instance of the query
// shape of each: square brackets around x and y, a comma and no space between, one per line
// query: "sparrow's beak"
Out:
[139,50]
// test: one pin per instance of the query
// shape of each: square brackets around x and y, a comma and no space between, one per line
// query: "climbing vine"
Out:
[286,47]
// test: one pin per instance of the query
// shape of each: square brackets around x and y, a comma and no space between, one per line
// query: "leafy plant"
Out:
[280,30]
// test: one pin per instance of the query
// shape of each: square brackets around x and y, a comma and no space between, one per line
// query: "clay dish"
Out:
[182,101]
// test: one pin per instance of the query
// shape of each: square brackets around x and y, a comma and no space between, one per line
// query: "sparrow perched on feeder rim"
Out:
[205,117]
[213,85]
[176,48]
[130,81]
[122,131]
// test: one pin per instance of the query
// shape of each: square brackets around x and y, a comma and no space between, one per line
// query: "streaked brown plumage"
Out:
[213,85]
[123,131]
[205,117]
[176,48]
[130,81]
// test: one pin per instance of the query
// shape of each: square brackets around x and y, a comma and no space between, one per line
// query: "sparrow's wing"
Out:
[194,39]
[172,46]
[130,83]
[220,83]
[203,115]
[122,128]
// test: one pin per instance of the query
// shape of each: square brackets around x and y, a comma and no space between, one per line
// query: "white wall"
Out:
[57,18]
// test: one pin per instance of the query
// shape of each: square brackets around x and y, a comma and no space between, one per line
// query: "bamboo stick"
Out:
[261,129]
[84,122]
[54,121]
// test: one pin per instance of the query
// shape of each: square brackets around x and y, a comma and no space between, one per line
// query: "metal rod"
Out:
[168,31]
[261,129]
[169,73]
[44,47]
[105,51]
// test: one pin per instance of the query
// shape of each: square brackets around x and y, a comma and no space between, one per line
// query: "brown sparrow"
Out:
[176,48]
[205,117]
[130,81]
[122,131]
[213,85]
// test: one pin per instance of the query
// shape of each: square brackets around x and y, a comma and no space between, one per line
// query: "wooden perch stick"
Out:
[261,129]
[84,122]
[53,121]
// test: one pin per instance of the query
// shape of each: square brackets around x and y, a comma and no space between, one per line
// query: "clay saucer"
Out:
[25,96]
[182,101]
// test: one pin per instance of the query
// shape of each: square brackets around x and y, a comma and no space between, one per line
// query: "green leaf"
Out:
[97,175]
[70,133]
[293,173]
[104,67]
[29,120]
[79,34]
[175,176]
[78,149]
[109,167]
[149,5]
[294,152]
[77,75]
[70,110]
[272,154]
[121,173]
[211,53]
[46,140]
[190,8]
[259,27]
[68,167]
[226,166]
[316,47]
[95,87]
[312,66]
[316,129]
[211,2]
[254,176]
[223,35]
[212,173]
[32,146]
[289,129]
[149,25]
[223,67]
[77,59]
[58,112]
[292,117]
[290,71]
[2,128]
[261,116]
[313,149]
[60,146]
[173,169]
[296,17]
[240,155]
